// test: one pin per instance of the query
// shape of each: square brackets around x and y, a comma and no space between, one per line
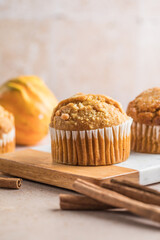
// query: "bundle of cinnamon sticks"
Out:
[137,199]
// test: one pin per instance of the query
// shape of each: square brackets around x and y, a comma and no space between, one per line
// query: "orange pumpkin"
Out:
[31,102]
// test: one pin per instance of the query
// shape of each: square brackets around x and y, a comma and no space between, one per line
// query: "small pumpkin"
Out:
[31,102]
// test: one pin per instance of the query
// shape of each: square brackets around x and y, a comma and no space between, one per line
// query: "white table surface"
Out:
[32,212]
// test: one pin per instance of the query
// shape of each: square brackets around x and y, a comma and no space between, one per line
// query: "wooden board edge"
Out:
[133,176]
[53,177]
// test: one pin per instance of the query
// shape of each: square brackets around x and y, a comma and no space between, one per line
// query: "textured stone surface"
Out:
[108,47]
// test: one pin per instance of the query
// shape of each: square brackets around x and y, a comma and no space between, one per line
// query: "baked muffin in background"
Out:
[145,111]
[90,130]
[7,131]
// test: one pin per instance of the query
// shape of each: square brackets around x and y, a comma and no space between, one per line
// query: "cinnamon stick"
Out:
[136,185]
[81,202]
[115,199]
[134,193]
[13,183]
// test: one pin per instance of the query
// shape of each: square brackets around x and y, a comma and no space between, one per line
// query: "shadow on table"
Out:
[116,216]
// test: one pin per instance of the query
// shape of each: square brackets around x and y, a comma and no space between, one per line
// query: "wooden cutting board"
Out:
[37,166]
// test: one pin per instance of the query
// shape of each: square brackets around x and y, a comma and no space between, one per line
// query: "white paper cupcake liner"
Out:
[7,141]
[91,147]
[145,138]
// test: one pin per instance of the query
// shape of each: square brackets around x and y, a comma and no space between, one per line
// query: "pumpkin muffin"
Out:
[7,131]
[90,130]
[145,111]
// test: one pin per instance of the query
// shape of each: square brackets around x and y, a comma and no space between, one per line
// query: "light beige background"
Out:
[99,46]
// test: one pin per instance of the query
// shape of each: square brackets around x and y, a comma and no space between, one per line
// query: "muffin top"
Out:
[145,108]
[6,121]
[87,112]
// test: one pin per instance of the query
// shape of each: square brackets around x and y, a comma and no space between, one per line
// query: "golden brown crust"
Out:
[85,112]
[145,108]
[6,121]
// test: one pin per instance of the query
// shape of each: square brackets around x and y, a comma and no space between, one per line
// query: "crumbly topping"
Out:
[6,121]
[145,108]
[85,112]
[65,116]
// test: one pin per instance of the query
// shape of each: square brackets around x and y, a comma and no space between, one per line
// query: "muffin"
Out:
[89,130]
[7,131]
[145,111]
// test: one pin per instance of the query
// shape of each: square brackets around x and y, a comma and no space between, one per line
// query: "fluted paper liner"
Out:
[7,141]
[145,138]
[91,147]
